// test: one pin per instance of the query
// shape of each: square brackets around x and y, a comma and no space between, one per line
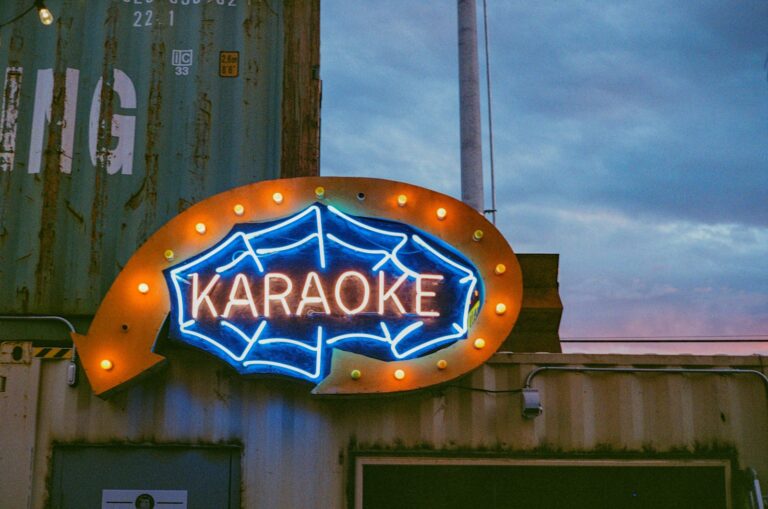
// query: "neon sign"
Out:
[277,297]
[355,285]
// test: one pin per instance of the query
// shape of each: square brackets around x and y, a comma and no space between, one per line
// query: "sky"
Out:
[630,137]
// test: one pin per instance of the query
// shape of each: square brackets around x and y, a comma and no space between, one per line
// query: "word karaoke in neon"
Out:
[279,297]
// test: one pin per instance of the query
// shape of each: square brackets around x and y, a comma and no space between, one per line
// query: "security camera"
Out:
[531,403]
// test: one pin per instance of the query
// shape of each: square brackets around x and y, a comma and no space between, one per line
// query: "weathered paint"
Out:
[297,449]
[110,126]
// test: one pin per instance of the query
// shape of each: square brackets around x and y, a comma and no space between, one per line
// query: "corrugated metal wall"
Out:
[123,113]
[296,447]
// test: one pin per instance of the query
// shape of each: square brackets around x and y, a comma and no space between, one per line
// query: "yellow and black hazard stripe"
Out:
[52,353]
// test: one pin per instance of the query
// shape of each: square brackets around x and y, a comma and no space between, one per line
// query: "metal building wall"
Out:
[296,448]
[123,113]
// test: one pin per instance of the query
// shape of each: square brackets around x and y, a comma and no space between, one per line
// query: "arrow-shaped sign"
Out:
[119,345]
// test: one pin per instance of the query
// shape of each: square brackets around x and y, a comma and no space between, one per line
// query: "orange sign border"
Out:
[118,346]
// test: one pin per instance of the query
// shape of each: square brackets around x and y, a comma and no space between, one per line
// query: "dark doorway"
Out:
[555,486]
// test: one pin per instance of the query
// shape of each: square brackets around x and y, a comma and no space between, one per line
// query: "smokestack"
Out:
[469,108]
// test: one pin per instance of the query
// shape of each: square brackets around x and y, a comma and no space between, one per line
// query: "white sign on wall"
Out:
[144,499]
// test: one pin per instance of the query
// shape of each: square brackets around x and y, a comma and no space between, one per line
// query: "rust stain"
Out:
[203,110]
[137,198]
[45,273]
[252,22]
[16,45]
[152,150]
[22,299]
[183,205]
[202,132]
[74,212]
[104,141]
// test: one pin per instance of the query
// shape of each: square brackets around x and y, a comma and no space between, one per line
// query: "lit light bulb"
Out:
[442,364]
[200,228]
[238,209]
[106,365]
[477,235]
[355,374]
[479,343]
[501,308]
[320,192]
[169,254]
[500,269]
[46,17]
[143,288]
[441,213]
[399,374]
[402,200]
[277,198]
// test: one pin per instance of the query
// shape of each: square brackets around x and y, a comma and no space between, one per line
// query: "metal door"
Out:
[153,477]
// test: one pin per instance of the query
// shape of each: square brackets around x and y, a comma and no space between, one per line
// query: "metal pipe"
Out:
[585,369]
[72,368]
[27,318]
[469,108]
[492,210]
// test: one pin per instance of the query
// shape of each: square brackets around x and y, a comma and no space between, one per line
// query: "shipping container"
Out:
[291,449]
[121,114]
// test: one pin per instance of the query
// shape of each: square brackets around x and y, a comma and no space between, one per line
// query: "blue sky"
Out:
[630,137]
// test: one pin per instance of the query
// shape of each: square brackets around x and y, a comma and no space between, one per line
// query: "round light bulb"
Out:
[477,235]
[501,308]
[500,269]
[399,374]
[200,228]
[106,365]
[441,213]
[169,254]
[320,192]
[143,288]
[402,200]
[479,343]
[238,209]
[277,198]
[355,374]
[442,364]
[46,17]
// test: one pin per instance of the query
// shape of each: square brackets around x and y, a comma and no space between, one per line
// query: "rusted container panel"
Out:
[123,113]
[296,448]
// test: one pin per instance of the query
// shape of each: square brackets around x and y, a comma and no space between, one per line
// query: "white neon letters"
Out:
[313,278]
[279,297]
[240,281]
[198,298]
[421,293]
[385,295]
[351,295]
[366,292]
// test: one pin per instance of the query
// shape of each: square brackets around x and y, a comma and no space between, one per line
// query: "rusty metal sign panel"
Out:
[355,285]
[120,115]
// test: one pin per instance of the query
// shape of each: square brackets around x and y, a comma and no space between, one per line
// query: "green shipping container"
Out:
[123,113]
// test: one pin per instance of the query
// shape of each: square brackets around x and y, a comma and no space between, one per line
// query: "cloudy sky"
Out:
[630,137]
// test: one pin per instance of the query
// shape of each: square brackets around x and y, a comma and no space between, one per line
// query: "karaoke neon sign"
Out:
[355,285]
[278,297]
